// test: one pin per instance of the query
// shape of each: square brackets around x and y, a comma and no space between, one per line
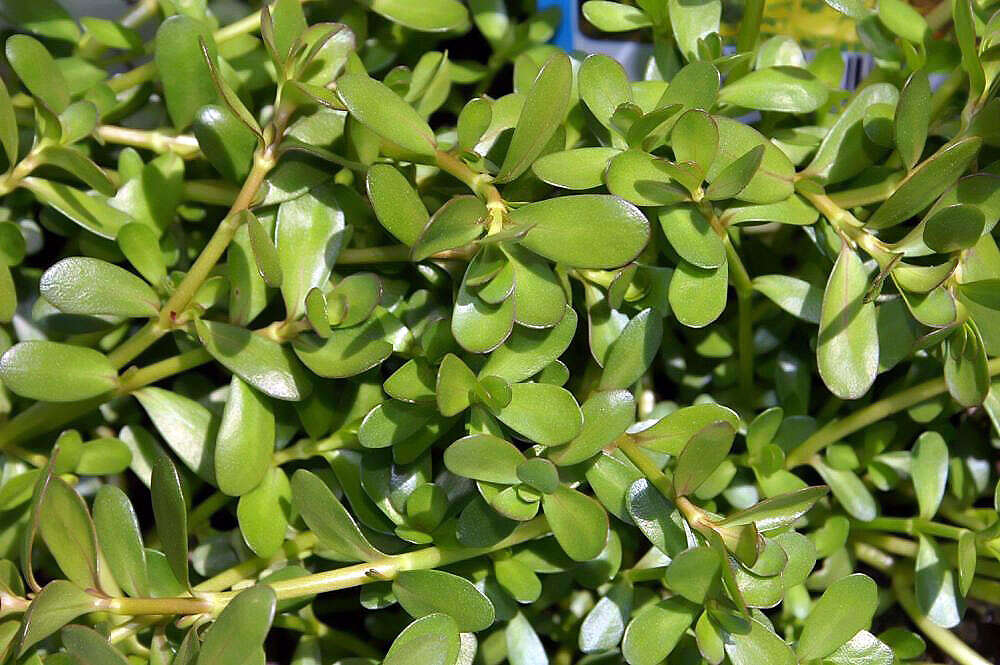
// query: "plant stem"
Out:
[164,368]
[646,466]
[859,196]
[744,300]
[218,243]
[184,145]
[481,184]
[910,526]
[839,429]
[396,254]
[332,580]
[201,513]
[212,192]
[363,255]
[950,643]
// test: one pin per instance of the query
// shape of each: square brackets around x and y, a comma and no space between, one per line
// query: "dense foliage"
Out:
[332,336]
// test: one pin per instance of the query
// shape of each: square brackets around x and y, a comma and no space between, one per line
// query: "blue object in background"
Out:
[633,55]
[567,25]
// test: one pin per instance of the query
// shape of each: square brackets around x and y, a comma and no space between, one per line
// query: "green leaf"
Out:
[336,530]
[641,178]
[360,293]
[692,22]
[930,472]
[431,640]
[953,228]
[967,556]
[65,525]
[604,625]
[56,372]
[473,121]
[633,352]
[704,452]
[424,592]
[578,522]
[528,351]
[245,442]
[120,540]
[656,516]
[797,297]
[925,183]
[847,348]
[736,176]
[82,285]
[266,365]
[778,511]
[539,299]
[614,16]
[544,109]
[391,423]
[384,112]
[225,142]
[459,221]
[584,231]
[654,632]
[862,649]
[579,168]
[188,427]
[604,86]
[478,326]
[606,416]
[265,255]
[346,352]
[524,647]
[772,181]
[92,212]
[913,116]
[184,72]
[539,474]
[693,572]
[170,513]
[936,585]
[758,644]
[966,371]
[309,233]
[433,16]
[543,413]
[455,386]
[88,647]
[264,512]
[75,163]
[141,247]
[45,18]
[695,139]
[698,295]
[38,71]
[846,607]
[672,432]
[58,603]
[965,34]
[849,491]
[902,19]
[112,33]
[396,203]
[240,628]
[783,89]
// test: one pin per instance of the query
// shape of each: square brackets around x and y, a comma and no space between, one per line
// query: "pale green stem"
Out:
[646,466]
[838,430]
[861,196]
[184,145]
[341,578]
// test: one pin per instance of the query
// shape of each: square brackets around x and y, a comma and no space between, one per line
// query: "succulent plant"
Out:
[304,314]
